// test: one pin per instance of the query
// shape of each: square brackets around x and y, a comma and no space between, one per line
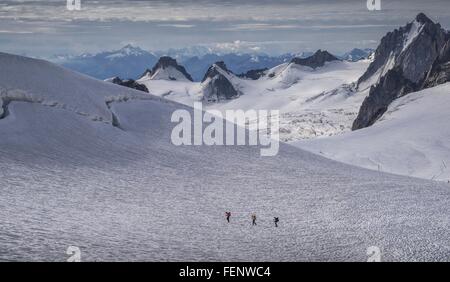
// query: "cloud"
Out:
[272,26]
[212,10]
[236,46]
[259,26]
[15,32]
[177,25]
[287,26]
[239,46]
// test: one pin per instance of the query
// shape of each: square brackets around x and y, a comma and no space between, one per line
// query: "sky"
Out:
[43,28]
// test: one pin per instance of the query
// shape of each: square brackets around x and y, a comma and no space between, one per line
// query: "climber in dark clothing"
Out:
[228,215]
[253,219]
[276,220]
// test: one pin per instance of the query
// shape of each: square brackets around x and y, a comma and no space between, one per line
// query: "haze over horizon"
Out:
[45,27]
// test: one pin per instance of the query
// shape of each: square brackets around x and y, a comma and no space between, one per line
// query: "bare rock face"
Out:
[130,83]
[315,61]
[217,84]
[147,73]
[392,86]
[413,47]
[407,60]
[164,63]
[254,74]
[218,68]
[440,72]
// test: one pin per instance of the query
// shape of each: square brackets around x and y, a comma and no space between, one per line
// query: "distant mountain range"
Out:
[357,54]
[130,62]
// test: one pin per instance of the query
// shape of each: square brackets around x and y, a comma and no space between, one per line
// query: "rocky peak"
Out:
[165,63]
[421,38]
[130,83]
[408,59]
[315,61]
[423,19]
[216,69]
[131,50]
[217,84]
[254,74]
[147,73]
[222,65]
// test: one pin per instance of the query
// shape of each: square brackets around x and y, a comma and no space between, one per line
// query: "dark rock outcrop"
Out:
[392,86]
[440,72]
[217,85]
[216,69]
[408,59]
[147,73]
[415,57]
[254,74]
[166,62]
[130,83]
[315,61]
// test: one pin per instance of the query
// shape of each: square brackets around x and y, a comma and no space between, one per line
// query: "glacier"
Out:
[71,178]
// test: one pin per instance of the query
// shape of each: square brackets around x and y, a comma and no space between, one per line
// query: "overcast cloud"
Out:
[46,27]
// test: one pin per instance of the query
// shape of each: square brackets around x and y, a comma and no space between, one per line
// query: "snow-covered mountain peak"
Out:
[397,71]
[131,50]
[165,62]
[127,62]
[289,74]
[357,54]
[128,50]
[167,68]
[219,83]
[421,38]
[221,66]
[317,60]
[218,68]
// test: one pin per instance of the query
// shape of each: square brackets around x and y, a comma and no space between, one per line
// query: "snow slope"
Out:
[312,103]
[125,193]
[410,139]
[25,79]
